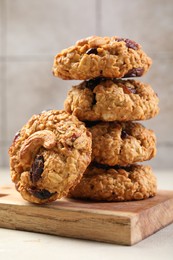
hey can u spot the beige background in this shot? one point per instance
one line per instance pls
(33, 31)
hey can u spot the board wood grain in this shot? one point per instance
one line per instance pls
(123, 223)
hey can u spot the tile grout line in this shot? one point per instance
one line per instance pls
(1, 84)
(98, 6)
(4, 74)
(1, 79)
(26, 58)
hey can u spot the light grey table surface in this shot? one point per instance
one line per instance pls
(27, 245)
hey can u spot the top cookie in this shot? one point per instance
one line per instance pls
(110, 57)
(49, 156)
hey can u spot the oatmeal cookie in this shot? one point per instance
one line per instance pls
(122, 143)
(103, 183)
(49, 156)
(111, 57)
(112, 100)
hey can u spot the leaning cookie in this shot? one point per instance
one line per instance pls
(122, 143)
(111, 57)
(49, 156)
(102, 183)
(111, 99)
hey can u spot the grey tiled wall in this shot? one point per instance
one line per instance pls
(32, 32)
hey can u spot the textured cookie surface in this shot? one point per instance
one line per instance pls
(100, 183)
(49, 156)
(111, 57)
(111, 100)
(122, 143)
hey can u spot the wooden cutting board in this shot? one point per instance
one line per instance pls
(122, 223)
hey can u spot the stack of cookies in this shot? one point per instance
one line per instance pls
(109, 105)
(90, 150)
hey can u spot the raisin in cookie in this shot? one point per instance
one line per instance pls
(112, 100)
(110, 57)
(102, 183)
(122, 143)
(49, 156)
